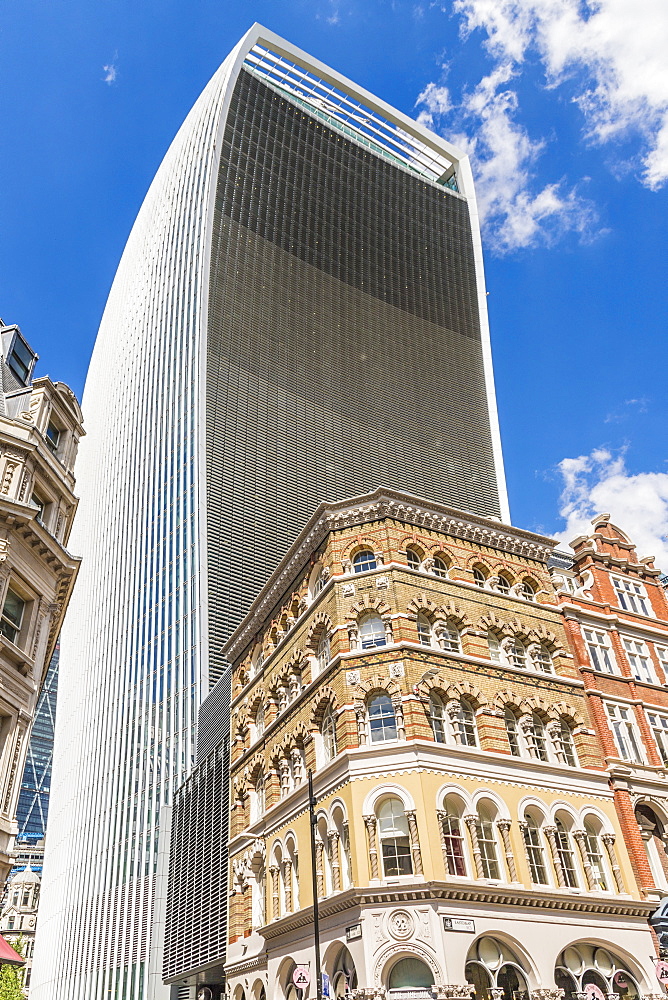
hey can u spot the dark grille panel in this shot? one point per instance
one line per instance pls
(196, 926)
(344, 346)
(213, 718)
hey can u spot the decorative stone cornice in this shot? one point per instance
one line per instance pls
(505, 895)
(378, 506)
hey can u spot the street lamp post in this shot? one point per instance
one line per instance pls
(314, 880)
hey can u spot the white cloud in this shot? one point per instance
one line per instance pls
(613, 53)
(110, 73)
(435, 99)
(515, 212)
(638, 504)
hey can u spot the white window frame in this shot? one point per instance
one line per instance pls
(639, 659)
(599, 647)
(658, 723)
(631, 595)
(662, 657)
(623, 725)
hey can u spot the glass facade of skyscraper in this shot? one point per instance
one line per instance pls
(299, 316)
(33, 807)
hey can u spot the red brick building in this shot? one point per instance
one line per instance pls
(616, 614)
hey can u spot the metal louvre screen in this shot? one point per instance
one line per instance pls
(344, 348)
(196, 925)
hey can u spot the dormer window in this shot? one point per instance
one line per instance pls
(12, 616)
(52, 436)
(21, 360)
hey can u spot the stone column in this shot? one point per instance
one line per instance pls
(360, 716)
(297, 765)
(345, 844)
(398, 707)
(503, 826)
(580, 840)
(471, 821)
(319, 873)
(370, 824)
(415, 842)
(275, 894)
(609, 841)
(334, 854)
(284, 766)
(496, 994)
(287, 884)
(553, 729)
(389, 637)
(551, 834)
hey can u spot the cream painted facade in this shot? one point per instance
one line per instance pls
(415, 659)
(40, 428)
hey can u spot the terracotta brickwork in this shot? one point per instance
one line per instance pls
(615, 601)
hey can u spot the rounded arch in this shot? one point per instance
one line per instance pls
(516, 949)
(389, 957)
(596, 818)
(564, 811)
(482, 796)
(422, 604)
(464, 689)
(532, 804)
(386, 791)
(378, 683)
(657, 805)
(338, 805)
(321, 623)
(368, 604)
(562, 710)
(617, 953)
(324, 699)
(257, 988)
(454, 791)
(239, 992)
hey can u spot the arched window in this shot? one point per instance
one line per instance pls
(491, 964)
(259, 721)
(344, 976)
(410, 974)
(487, 843)
(581, 967)
(424, 630)
(382, 720)
(538, 737)
(320, 581)
(440, 567)
(372, 632)
(448, 637)
(413, 558)
(464, 720)
(328, 731)
(364, 560)
(528, 590)
(513, 732)
(542, 660)
(437, 717)
(494, 647)
(534, 850)
(567, 744)
(595, 856)
(394, 839)
(324, 652)
(503, 584)
(518, 655)
(653, 835)
(565, 854)
(453, 838)
(257, 798)
(479, 576)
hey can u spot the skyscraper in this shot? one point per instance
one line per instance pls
(33, 807)
(299, 315)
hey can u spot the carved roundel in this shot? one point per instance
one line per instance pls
(400, 925)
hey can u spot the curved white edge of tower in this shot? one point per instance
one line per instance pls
(135, 646)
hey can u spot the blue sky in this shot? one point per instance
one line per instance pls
(564, 108)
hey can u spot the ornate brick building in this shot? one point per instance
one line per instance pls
(40, 427)
(616, 612)
(415, 659)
